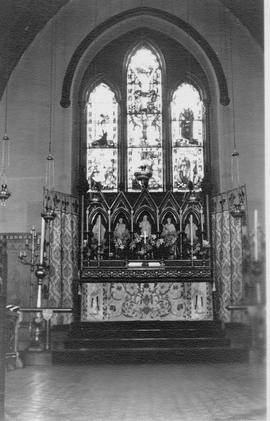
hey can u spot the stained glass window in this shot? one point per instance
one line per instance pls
(102, 138)
(187, 113)
(144, 118)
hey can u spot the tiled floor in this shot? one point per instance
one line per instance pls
(142, 392)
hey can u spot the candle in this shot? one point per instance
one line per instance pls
(256, 235)
(99, 230)
(87, 220)
(42, 240)
(258, 293)
(144, 235)
(131, 220)
(157, 220)
(109, 220)
(191, 230)
(201, 211)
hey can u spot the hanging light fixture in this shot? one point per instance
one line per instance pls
(235, 155)
(237, 210)
(48, 212)
(49, 177)
(5, 152)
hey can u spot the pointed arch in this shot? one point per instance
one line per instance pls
(187, 136)
(102, 137)
(200, 41)
(144, 115)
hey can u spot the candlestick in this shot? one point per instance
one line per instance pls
(42, 240)
(256, 235)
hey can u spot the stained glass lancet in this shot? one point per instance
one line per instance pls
(102, 138)
(187, 112)
(144, 117)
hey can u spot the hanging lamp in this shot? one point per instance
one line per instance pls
(5, 152)
(237, 210)
(49, 212)
(235, 155)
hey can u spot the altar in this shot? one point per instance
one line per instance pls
(113, 301)
(145, 258)
(146, 277)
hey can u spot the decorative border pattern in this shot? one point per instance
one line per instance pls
(15, 236)
(62, 202)
(183, 274)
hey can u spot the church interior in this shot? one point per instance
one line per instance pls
(132, 217)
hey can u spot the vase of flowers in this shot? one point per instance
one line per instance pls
(200, 251)
(143, 246)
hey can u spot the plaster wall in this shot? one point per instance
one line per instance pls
(29, 103)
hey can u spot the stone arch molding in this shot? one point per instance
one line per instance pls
(150, 18)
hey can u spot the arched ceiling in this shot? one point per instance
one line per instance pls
(22, 20)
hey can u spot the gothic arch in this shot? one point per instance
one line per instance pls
(190, 36)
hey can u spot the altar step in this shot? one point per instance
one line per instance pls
(148, 341)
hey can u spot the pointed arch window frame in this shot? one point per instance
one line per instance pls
(204, 146)
(155, 50)
(99, 80)
(167, 170)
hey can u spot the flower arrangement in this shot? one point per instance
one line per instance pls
(150, 246)
(143, 245)
(201, 251)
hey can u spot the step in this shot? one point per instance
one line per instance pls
(141, 355)
(153, 333)
(146, 324)
(146, 342)
(148, 328)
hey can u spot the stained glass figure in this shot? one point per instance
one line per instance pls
(187, 111)
(187, 166)
(102, 138)
(144, 119)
